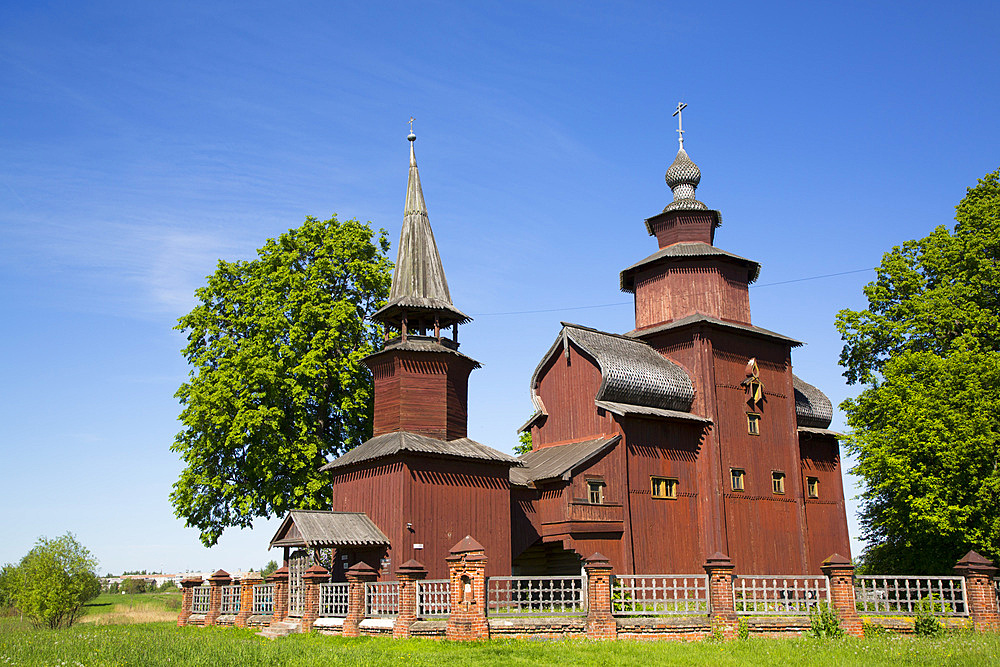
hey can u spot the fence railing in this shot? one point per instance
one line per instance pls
(263, 599)
(659, 594)
(943, 596)
(381, 598)
(779, 595)
(548, 596)
(230, 603)
(199, 599)
(333, 599)
(996, 587)
(433, 598)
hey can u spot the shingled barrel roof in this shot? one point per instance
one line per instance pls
(558, 461)
(685, 250)
(319, 528)
(418, 281)
(389, 444)
(632, 372)
(812, 407)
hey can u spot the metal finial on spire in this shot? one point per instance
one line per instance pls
(680, 128)
(411, 136)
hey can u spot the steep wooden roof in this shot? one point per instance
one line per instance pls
(389, 444)
(685, 250)
(559, 461)
(319, 528)
(418, 281)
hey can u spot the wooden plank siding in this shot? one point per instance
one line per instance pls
(826, 516)
(422, 392)
(685, 287)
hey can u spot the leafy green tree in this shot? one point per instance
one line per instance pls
(269, 569)
(523, 445)
(53, 581)
(926, 428)
(6, 578)
(277, 385)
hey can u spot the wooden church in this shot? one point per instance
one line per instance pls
(687, 436)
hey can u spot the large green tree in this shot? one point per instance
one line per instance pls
(277, 385)
(53, 581)
(926, 428)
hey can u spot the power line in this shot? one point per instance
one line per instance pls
(629, 303)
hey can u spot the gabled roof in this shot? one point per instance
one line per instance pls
(319, 528)
(632, 372)
(812, 407)
(559, 461)
(389, 444)
(687, 249)
(699, 318)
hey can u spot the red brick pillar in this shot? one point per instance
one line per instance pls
(280, 581)
(600, 621)
(186, 598)
(720, 594)
(358, 575)
(982, 597)
(467, 576)
(311, 579)
(246, 598)
(409, 576)
(840, 572)
(216, 582)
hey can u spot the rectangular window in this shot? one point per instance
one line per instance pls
(778, 482)
(738, 477)
(663, 487)
(812, 484)
(753, 423)
(595, 492)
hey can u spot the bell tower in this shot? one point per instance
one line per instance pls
(421, 379)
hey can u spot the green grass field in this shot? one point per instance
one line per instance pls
(165, 644)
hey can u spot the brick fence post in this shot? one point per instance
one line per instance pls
(720, 594)
(982, 597)
(280, 580)
(215, 583)
(246, 598)
(358, 575)
(187, 596)
(840, 572)
(311, 579)
(600, 621)
(409, 576)
(467, 577)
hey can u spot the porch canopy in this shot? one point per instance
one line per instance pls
(315, 529)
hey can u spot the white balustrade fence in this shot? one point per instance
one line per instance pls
(784, 595)
(263, 599)
(659, 594)
(942, 596)
(433, 598)
(333, 599)
(199, 599)
(381, 598)
(230, 599)
(548, 596)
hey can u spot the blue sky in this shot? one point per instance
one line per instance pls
(142, 142)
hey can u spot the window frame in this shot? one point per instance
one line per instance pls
(599, 485)
(670, 485)
(812, 487)
(753, 423)
(742, 477)
(778, 480)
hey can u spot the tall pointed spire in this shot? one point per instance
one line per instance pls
(419, 287)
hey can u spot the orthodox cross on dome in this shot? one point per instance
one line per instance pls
(680, 128)
(411, 124)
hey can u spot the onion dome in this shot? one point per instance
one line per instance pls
(683, 177)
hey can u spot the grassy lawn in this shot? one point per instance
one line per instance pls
(116, 608)
(164, 644)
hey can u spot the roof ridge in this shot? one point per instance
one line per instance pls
(598, 331)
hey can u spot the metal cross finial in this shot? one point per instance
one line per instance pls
(411, 124)
(680, 127)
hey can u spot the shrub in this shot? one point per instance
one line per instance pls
(925, 623)
(743, 629)
(824, 622)
(873, 631)
(53, 581)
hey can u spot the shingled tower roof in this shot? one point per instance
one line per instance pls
(419, 286)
